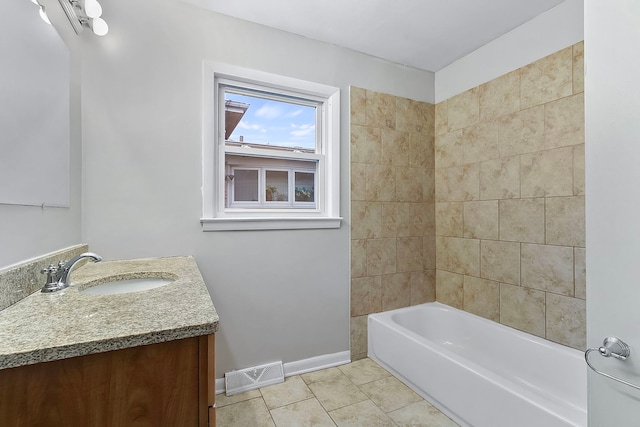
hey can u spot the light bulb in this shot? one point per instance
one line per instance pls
(92, 9)
(44, 16)
(99, 27)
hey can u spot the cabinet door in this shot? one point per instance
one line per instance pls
(155, 385)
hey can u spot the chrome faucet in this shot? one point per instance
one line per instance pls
(58, 277)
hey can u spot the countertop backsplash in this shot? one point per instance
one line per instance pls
(20, 280)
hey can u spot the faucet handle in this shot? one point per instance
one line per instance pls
(49, 270)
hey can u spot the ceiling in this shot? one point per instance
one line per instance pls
(425, 34)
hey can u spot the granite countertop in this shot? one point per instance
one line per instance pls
(68, 323)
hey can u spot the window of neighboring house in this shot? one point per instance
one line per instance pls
(271, 151)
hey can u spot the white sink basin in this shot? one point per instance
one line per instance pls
(126, 286)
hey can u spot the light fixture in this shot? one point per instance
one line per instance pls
(41, 11)
(44, 16)
(85, 13)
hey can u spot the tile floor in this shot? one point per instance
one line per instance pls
(358, 394)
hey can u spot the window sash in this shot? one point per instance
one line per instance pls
(262, 201)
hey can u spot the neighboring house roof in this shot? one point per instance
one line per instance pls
(233, 113)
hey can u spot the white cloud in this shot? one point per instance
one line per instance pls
(246, 125)
(294, 113)
(304, 130)
(269, 112)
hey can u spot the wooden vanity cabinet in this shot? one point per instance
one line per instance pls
(166, 384)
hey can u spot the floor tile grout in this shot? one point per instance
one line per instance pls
(298, 391)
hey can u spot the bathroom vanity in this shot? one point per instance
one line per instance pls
(72, 358)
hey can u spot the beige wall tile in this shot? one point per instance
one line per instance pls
(565, 221)
(566, 321)
(358, 258)
(547, 79)
(464, 256)
(395, 147)
(422, 221)
(578, 67)
(463, 109)
(396, 291)
(481, 142)
(500, 96)
(409, 254)
(450, 288)
(521, 132)
(441, 116)
(442, 253)
(449, 149)
(394, 219)
(423, 286)
(547, 173)
(580, 273)
(358, 181)
(366, 295)
(358, 336)
(366, 145)
(429, 186)
(548, 268)
(578, 170)
(500, 261)
(357, 105)
(381, 110)
(449, 219)
(381, 256)
(522, 220)
(366, 220)
(564, 122)
(409, 184)
(421, 149)
(460, 183)
(415, 116)
(381, 183)
(401, 219)
(482, 297)
(429, 252)
(481, 220)
(500, 178)
(523, 309)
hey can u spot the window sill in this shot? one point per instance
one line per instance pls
(238, 224)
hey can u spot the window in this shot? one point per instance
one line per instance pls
(271, 151)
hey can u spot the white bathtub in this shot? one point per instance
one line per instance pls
(478, 372)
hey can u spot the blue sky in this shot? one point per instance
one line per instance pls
(275, 123)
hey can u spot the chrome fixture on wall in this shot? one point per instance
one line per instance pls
(85, 13)
(611, 347)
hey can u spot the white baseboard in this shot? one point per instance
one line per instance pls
(305, 365)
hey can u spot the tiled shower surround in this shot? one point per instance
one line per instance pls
(509, 202)
(392, 207)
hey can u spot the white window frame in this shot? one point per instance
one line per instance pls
(218, 218)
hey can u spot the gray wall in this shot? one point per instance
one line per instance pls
(281, 295)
